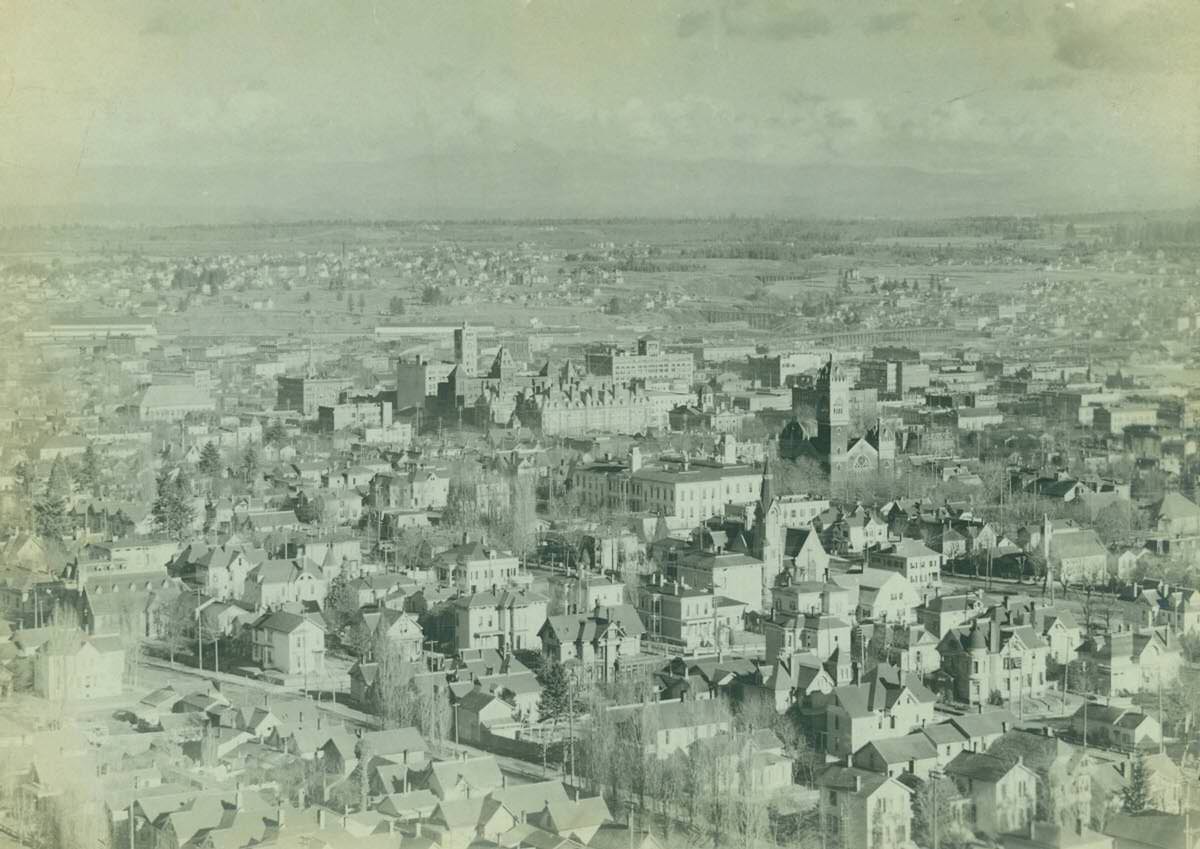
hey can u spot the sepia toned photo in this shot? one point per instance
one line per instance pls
(600, 424)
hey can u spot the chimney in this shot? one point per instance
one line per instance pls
(995, 635)
(417, 827)
(503, 780)
(237, 798)
(302, 799)
(280, 816)
(858, 784)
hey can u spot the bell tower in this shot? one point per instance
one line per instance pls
(833, 416)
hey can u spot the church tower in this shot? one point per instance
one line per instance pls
(833, 417)
(768, 533)
(886, 438)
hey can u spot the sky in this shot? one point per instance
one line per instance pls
(132, 110)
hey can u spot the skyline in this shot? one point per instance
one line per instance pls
(143, 112)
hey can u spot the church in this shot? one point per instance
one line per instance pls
(839, 453)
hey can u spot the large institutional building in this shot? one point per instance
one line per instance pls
(689, 490)
(832, 445)
(648, 363)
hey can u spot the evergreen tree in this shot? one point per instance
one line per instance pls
(59, 483)
(1135, 798)
(275, 434)
(172, 508)
(555, 701)
(50, 516)
(250, 463)
(210, 458)
(87, 476)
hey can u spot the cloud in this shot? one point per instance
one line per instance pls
(773, 21)
(692, 23)
(1159, 36)
(889, 22)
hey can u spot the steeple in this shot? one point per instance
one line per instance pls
(767, 492)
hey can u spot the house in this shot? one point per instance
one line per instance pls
(989, 658)
(595, 642)
(1180, 610)
(221, 572)
(913, 754)
(505, 620)
(1165, 788)
(1056, 763)
(825, 637)
(677, 614)
(920, 565)
(911, 648)
(400, 632)
(948, 740)
(944, 612)
(883, 596)
(1060, 631)
(1128, 662)
(413, 489)
(1174, 516)
(1077, 556)
(463, 778)
(983, 727)
(1125, 564)
(471, 567)
(577, 819)
(478, 711)
(71, 666)
(289, 643)
(273, 583)
(400, 745)
(675, 724)
(522, 801)
(802, 548)
(1118, 727)
(1003, 794)
(864, 809)
(786, 681)
(887, 704)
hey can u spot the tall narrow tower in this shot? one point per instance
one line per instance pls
(833, 417)
(466, 348)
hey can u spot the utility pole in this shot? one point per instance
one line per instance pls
(571, 725)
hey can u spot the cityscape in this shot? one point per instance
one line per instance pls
(770, 493)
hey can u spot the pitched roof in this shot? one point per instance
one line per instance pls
(910, 747)
(979, 767)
